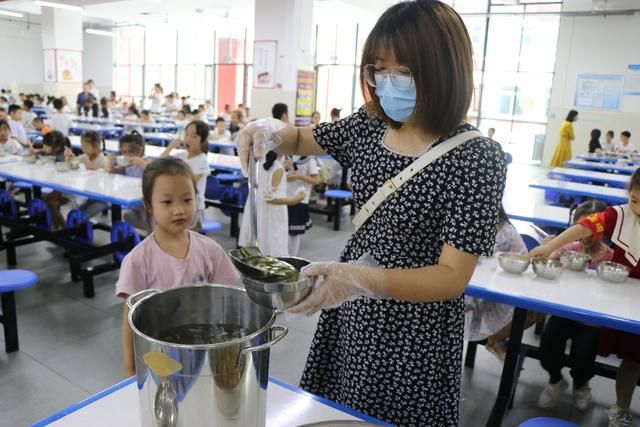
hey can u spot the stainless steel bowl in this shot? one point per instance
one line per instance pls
(575, 261)
(612, 272)
(611, 155)
(74, 164)
(513, 263)
(61, 166)
(279, 296)
(30, 159)
(547, 268)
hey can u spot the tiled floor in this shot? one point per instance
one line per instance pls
(70, 346)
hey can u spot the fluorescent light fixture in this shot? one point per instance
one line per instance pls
(12, 14)
(58, 5)
(99, 32)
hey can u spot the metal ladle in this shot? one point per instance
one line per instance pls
(253, 187)
(165, 405)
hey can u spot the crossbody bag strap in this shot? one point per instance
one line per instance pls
(392, 185)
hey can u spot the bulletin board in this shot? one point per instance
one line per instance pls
(631, 95)
(599, 91)
(49, 60)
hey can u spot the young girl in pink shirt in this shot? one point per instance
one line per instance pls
(172, 255)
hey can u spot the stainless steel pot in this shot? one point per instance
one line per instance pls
(202, 356)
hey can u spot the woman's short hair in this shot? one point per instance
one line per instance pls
(571, 117)
(430, 39)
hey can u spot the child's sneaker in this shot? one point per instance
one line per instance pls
(582, 397)
(551, 393)
(619, 417)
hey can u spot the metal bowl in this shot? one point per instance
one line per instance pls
(47, 160)
(30, 159)
(279, 295)
(612, 272)
(74, 164)
(513, 263)
(61, 166)
(547, 268)
(575, 261)
(611, 155)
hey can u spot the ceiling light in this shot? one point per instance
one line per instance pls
(12, 14)
(58, 5)
(99, 32)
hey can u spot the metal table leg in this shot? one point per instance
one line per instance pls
(9, 321)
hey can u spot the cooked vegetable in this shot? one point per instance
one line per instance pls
(271, 266)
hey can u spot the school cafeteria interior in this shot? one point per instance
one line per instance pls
(126, 128)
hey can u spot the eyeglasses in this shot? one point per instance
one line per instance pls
(399, 76)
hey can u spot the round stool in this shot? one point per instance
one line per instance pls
(228, 177)
(11, 281)
(339, 197)
(547, 422)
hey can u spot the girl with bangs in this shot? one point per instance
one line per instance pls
(429, 188)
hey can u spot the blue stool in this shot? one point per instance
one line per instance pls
(210, 226)
(338, 197)
(11, 281)
(229, 178)
(547, 422)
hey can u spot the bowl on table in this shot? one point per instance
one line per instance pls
(513, 263)
(47, 160)
(74, 164)
(30, 159)
(547, 268)
(61, 166)
(575, 261)
(612, 272)
(611, 155)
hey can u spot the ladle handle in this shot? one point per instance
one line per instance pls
(253, 188)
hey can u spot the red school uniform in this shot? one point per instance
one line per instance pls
(622, 227)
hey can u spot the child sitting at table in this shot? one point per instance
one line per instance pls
(9, 144)
(220, 132)
(621, 225)
(40, 126)
(132, 113)
(196, 143)
(584, 338)
(172, 255)
(53, 144)
(145, 117)
(491, 320)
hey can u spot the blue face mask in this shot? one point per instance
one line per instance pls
(398, 104)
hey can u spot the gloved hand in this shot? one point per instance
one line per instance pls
(263, 135)
(339, 282)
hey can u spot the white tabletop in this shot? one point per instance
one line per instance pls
(583, 164)
(579, 296)
(618, 195)
(216, 161)
(97, 185)
(97, 128)
(130, 124)
(593, 158)
(581, 174)
(555, 216)
(162, 136)
(118, 406)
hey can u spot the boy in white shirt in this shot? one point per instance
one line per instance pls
(8, 144)
(15, 123)
(624, 145)
(220, 133)
(27, 114)
(60, 121)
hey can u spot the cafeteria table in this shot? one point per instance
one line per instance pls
(102, 130)
(610, 194)
(606, 167)
(592, 158)
(156, 127)
(543, 215)
(121, 192)
(287, 406)
(580, 296)
(584, 176)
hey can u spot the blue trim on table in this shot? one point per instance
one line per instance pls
(581, 193)
(538, 221)
(73, 408)
(599, 166)
(127, 204)
(561, 310)
(328, 402)
(606, 160)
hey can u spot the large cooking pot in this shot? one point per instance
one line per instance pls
(202, 356)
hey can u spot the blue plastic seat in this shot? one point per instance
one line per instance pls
(547, 422)
(229, 177)
(210, 226)
(337, 197)
(11, 281)
(338, 194)
(212, 191)
(529, 241)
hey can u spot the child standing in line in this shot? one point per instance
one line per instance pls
(196, 143)
(621, 225)
(60, 120)
(271, 208)
(584, 338)
(172, 255)
(302, 176)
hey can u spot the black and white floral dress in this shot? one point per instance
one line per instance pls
(393, 360)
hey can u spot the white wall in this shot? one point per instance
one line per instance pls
(22, 69)
(592, 45)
